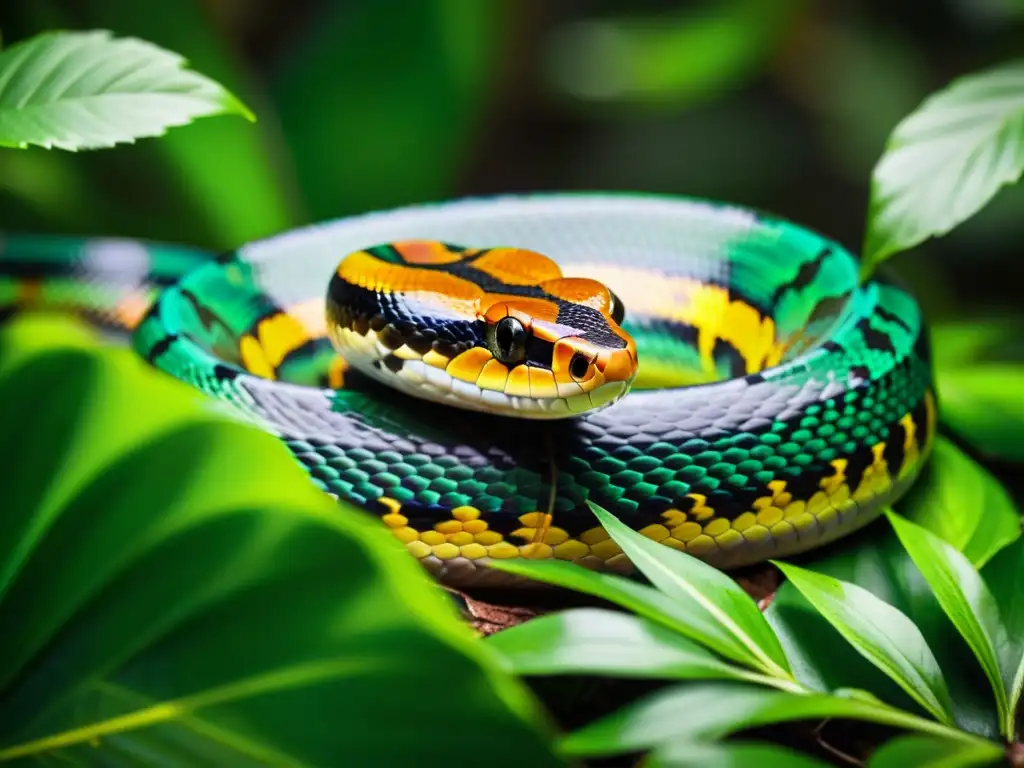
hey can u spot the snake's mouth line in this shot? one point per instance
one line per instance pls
(425, 376)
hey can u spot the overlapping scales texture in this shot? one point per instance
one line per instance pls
(815, 407)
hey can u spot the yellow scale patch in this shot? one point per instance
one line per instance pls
(698, 531)
(276, 336)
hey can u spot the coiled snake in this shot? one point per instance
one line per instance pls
(715, 377)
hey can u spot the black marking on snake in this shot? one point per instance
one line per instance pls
(587, 319)
(856, 465)
(161, 346)
(225, 373)
(875, 339)
(804, 276)
(895, 451)
(891, 317)
(393, 363)
(539, 352)
(726, 352)
(920, 417)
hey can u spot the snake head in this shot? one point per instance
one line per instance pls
(498, 330)
(561, 355)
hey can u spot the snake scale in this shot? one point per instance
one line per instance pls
(717, 378)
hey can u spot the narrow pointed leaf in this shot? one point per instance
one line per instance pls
(735, 754)
(946, 160)
(701, 587)
(959, 500)
(875, 560)
(609, 643)
(881, 634)
(685, 618)
(931, 752)
(1004, 575)
(86, 90)
(708, 711)
(967, 602)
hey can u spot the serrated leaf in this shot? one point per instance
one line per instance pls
(709, 711)
(734, 754)
(967, 602)
(86, 90)
(946, 160)
(693, 582)
(183, 595)
(959, 500)
(1004, 575)
(880, 633)
(931, 752)
(609, 643)
(685, 618)
(984, 404)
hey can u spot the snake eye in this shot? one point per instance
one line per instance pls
(509, 340)
(578, 366)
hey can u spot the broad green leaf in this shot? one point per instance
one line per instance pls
(932, 752)
(1004, 575)
(960, 501)
(686, 618)
(183, 594)
(86, 90)
(985, 405)
(399, 90)
(691, 582)
(708, 711)
(969, 604)
(880, 633)
(946, 160)
(609, 643)
(735, 754)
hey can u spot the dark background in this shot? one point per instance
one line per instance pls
(780, 104)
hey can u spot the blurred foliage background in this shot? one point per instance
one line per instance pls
(363, 104)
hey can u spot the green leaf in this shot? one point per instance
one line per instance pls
(384, 133)
(985, 405)
(609, 643)
(225, 182)
(183, 594)
(1004, 575)
(880, 633)
(685, 617)
(946, 160)
(875, 560)
(708, 711)
(735, 754)
(692, 582)
(960, 501)
(969, 604)
(85, 90)
(931, 752)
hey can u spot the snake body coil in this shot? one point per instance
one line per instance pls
(778, 403)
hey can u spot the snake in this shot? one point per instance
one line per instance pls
(476, 373)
